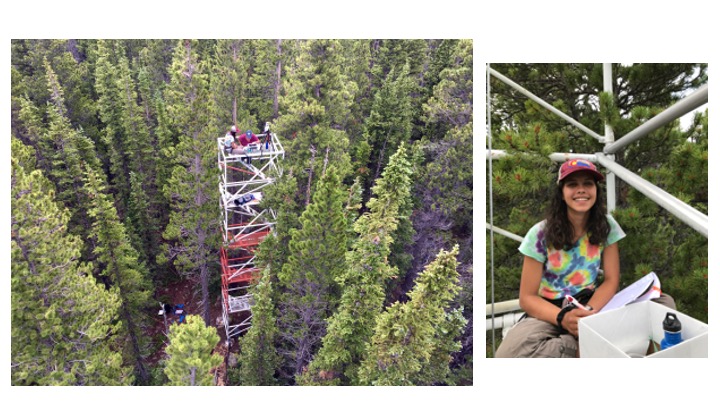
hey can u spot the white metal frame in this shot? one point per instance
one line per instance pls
(237, 180)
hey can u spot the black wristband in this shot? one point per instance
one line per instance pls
(560, 317)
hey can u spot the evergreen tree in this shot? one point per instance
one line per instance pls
(413, 341)
(228, 84)
(265, 78)
(112, 134)
(142, 164)
(451, 100)
(274, 250)
(315, 107)
(68, 150)
(166, 139)
(32, 131)
(676, 252)
(307, 279)
(191, 358)
(192, 187)
(71, 69)
(117, 262)
(64, 328)
(351, 326)
(401, 252)
(445, 187)
(357, 68)
(258, 356)
(154, 59)
(144, 225)
(127, 138)
(312, 118)
(390, 121)
(395, 54)
(444, 54)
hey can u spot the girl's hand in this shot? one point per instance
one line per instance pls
(571, 319)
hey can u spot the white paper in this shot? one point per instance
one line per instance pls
(644, 289)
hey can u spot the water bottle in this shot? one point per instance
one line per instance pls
(673, 331)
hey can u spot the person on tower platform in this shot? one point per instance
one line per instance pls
(249, 139)
(247, 142)
(229, 142)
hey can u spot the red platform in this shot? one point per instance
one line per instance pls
(244, 241)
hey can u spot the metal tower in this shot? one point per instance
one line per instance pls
(243, 176)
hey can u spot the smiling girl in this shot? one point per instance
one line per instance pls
(563, 256)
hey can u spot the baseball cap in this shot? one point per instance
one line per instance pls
(575, 165)
(248, 133)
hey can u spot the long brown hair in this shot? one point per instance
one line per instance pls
(559, 232)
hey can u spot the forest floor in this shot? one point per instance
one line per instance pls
(182, 292)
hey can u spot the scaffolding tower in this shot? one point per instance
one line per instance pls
(243, 176)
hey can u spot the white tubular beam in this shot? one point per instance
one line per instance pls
(609, 138)
(504, 232)
(561, 157)
(677, 110)
(504, 322)
(689, 215)
(503, 307)
(495, 154)
(546, 105)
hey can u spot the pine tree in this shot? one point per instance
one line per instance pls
(68, 150)
(64, 328)
(31, 130)
(258, 351)
(70, 68)
(445, 180)
(315, 108)
(192, 187)
(683, 265)
(307, 279)
(127, 139)
(395, 54)
(166, 139)
(154, 59)
(351, 326)
(442, 55)
(112, 135)
(282, 196)
(389, 54)
(191, 358)
(117, 262)
(357, 68)
(414, 341)
(142, 163)
(140, 219)
(390, 120)
(312, 118)
(263, 88)
(228, 85)
(451, 100)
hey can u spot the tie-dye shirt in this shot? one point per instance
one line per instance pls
(567, 272)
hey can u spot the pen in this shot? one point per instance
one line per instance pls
(575, 302)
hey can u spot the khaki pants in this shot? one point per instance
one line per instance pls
(532, 337)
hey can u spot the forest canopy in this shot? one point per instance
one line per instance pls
(114, 193)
